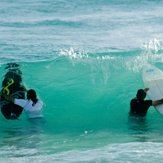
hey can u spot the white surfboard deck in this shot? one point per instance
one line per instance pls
(153, 79)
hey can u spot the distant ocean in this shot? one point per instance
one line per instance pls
(85, 59)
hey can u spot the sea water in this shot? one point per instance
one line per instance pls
(85, 59)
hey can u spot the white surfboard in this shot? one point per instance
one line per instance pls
(153, 79)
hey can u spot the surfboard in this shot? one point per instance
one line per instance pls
(11, 85)
(153, 79)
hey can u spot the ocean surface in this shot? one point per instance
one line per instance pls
(85, 59)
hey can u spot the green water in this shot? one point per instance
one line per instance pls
(84, 58)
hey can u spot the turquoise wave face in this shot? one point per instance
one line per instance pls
(77, 95)
(86, 91)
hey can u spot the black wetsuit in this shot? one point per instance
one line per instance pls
(139, 107)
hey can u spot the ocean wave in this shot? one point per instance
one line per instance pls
(130, 60)
(41, 23)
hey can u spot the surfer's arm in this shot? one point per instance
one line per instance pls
(157, 102)
(20, 102)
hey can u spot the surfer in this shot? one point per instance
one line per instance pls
(12, 85)
(32, 106)
(139, 106)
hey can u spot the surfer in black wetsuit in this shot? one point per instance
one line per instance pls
(139, 106)
(11, 85)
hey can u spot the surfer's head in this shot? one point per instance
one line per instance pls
(31, 95)
(141, 94)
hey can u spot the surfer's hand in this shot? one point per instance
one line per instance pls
(157, 102)
(146, 89)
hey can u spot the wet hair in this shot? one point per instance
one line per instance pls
(141, 94)
(31, 95)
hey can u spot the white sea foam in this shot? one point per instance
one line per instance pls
(117, 153)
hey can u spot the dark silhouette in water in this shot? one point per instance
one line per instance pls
(12, 85)
(139, 106)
